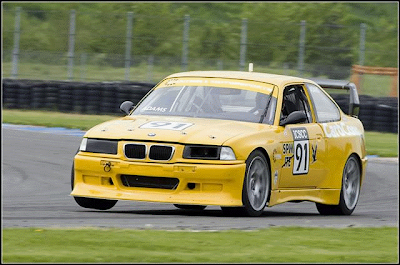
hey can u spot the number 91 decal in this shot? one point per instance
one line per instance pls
(175, 126)
(301, 146)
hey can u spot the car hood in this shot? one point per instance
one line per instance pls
(173, 129)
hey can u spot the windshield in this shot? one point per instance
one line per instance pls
(209, 102)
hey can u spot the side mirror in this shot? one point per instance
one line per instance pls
(126, 107)
(294, 117)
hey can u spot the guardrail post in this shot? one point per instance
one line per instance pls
(302, 47)
(71, 45)
(17, 32)
(128, 45)
(185, 48)
(243, 44)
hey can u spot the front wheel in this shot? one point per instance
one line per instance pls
(256, 186)
(350, 191)
(98, 204)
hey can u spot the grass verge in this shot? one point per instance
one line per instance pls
(54, 119)
(382, 144)
(273, 245)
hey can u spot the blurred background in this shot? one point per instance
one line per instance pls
(91, 56)
(148, 41)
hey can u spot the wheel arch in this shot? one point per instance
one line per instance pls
(358, 158)
(265, 153)
(267, 157)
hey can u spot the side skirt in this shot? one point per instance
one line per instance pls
(324, 196)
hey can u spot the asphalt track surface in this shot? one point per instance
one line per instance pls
(36, 165)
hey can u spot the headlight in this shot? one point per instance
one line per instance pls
(104, 146)
(227, 154)
(83, 144)
(208, 152)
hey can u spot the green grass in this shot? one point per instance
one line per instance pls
(382, 144)
(54, 119)
(374, 85)
(273, 245)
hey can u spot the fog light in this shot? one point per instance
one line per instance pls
(191, 186)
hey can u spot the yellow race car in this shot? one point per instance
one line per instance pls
(239, 140)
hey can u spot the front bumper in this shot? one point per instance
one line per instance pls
(202, 184)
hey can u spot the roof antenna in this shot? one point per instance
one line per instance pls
(250, 67)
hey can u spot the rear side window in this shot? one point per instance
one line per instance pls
(325, 109)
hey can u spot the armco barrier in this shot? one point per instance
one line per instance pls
(78, 97)
(376, 113)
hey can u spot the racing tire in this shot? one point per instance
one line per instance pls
(190, 207)
(98, 204)
(350, 191)
(256, 187)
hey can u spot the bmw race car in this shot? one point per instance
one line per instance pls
(238, 140)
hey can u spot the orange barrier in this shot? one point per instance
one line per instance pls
(359, 70)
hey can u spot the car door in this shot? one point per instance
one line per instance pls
(302, 144)
(328, 117)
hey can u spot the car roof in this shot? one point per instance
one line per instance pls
(279, 80)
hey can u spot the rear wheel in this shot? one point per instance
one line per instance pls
(98, 204)
(350, 191)
(256, 187)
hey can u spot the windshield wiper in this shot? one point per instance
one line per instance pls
(266, 108)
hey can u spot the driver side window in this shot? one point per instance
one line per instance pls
(295, 99)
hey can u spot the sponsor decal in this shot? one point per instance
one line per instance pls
(171, 82)
(339, 129)
(276, 156)
(299, 134)
(164, 125)
(276, 177)
(314, 153)
(288, 161)
(157, 109)
(217, 82)
(287, 148)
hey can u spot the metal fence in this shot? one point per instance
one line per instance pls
(127, 52)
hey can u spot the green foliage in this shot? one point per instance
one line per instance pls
(332, 30)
